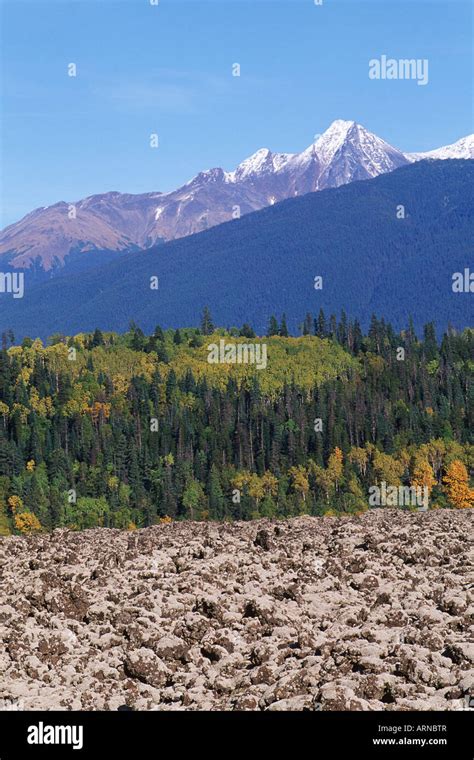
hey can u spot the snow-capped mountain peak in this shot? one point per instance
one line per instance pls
(463, 148)
(261, 162)
(331, 140)
(257, 163)
(115, 221)
(346, 151)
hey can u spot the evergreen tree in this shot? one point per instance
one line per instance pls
(246, 331)
(320, 330)
(283, 327)
(273, 326)
(159, 334)
(207, 326)
(97, 338)
(307, 325)
(215, 495)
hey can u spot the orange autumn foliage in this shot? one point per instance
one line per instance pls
(27, 522)
(457, 487)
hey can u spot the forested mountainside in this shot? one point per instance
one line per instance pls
(101, 429)
(389, 246)
(98, 227)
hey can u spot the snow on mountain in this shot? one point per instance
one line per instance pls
(344, 153)
(120, 222)
(327, 144)
(258, 163)
(463, 148)
(263, 161)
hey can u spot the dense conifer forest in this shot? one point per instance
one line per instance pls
(101, 429)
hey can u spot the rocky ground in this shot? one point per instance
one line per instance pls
(362, 613)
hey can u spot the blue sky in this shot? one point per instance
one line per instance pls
(167, 69)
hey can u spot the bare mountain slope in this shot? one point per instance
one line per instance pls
(120, 222)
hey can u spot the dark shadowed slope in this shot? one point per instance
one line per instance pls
(49, 239)
(266, 262)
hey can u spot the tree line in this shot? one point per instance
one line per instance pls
(101, 429)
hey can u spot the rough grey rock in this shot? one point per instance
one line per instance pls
(363, 613)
